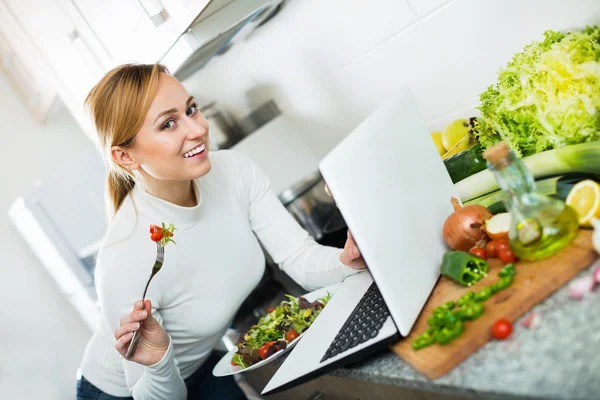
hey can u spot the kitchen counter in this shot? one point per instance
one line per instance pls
(560, 359)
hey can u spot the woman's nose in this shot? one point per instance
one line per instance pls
(196, 128)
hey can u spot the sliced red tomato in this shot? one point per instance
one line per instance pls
(270, 310)
(262, 352)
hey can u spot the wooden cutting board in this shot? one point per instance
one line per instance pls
(534, 282)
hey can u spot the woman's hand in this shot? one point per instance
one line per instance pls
(154, 340)
(351, 255)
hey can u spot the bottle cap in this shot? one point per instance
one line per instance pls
(496, 153)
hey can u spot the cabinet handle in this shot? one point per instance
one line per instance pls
(154, 10)
(82, 47)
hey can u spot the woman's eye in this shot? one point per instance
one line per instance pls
(168, 125)
(192, 110)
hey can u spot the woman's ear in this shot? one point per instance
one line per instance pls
(122, 157)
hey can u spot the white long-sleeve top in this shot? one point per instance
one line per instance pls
(214, 265)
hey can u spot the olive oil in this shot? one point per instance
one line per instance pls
(540, 225)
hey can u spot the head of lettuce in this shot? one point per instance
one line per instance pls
(548, 96)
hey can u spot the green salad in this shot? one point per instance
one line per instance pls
(277, 329)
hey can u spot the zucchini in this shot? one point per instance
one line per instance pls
(557, 187)
(466, 163)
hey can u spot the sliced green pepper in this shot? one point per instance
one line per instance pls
(444, 307)
(463, 267)
(484, 294)
(502, 283)
(466, 298)
(471, 310)
(441, 318)
(449, 332)
(508, 270)
(425, 339)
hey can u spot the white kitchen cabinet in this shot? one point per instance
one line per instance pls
(72, 64)
(189, 12)
(24, 68)
(126, 30)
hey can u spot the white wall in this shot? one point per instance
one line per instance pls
(333, 61)
(42, 338)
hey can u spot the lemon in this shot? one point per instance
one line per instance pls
(455, 132)
(437, 139)
(584, 198)
(461, 145)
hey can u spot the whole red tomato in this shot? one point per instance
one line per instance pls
(502, 329)
(156, 236)
(479, 252)
(507, 256)
(502, 244)
(291, 335)
(490, 248)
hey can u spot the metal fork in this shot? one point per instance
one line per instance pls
(160, 258)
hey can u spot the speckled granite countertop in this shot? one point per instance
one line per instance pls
(560, 359)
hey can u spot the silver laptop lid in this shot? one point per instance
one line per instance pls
(393, 190)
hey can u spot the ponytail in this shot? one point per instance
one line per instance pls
(118, 185)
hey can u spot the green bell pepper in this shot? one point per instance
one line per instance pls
(425, 339)
(441, 318)
(466, 298)
(471, 310)
(502, 283)
(484, 294)
(446, 334)
(508, 270)
(463, 267)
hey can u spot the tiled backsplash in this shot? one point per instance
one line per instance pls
(334, 61)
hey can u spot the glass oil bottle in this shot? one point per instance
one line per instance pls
(541, 226)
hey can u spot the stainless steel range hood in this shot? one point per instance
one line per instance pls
(214, 30)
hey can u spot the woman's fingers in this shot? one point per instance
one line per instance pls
(137, 314)
(122, 343)
(352, 247)
(124, 329)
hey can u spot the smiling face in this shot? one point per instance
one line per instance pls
(172, 143)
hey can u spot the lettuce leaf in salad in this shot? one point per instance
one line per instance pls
(548, 96)
(294, 313)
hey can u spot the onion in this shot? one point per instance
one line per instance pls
(580, 287)
(532, 321)
(596, 274)
(463, 229)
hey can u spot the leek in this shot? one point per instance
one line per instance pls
(546, 187)
(577, 158)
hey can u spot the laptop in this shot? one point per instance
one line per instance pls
(392, 188)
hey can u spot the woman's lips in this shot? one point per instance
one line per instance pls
(202, 154)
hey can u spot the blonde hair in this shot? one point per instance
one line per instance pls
(119, 104)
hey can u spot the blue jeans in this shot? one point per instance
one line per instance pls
(200, 385)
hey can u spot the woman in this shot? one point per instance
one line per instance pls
(156, 144)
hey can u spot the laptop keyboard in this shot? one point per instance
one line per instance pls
(364, 323)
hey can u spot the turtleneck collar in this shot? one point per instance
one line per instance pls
(167, 212)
